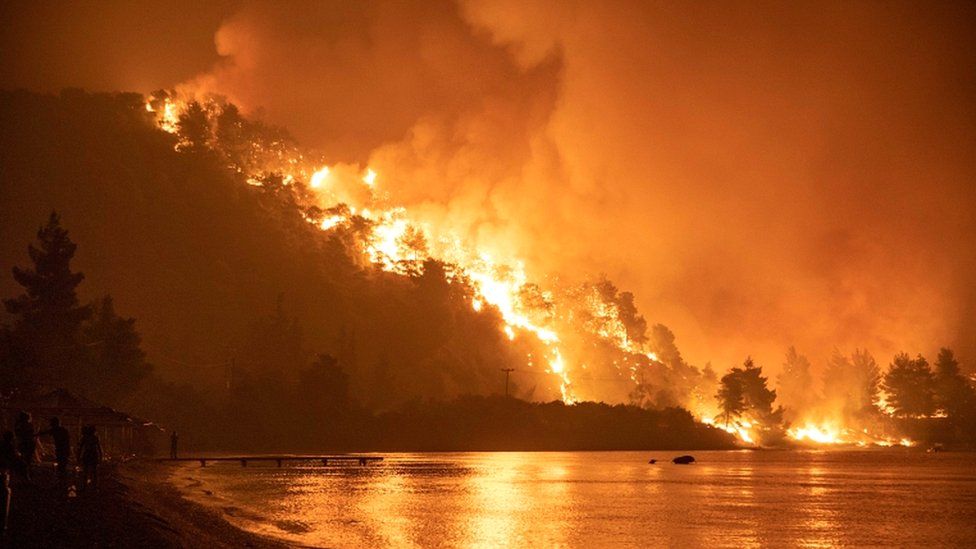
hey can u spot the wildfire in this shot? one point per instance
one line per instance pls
(392, 244)
(369, 178)
(816, 433)
(394, 241)
(741, 428)
(168, 118)
(832, 433)
(318, 178)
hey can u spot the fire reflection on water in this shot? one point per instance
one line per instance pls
(818, 521)
(728, 499)
(499, 495)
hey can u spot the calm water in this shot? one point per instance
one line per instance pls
(602, 499)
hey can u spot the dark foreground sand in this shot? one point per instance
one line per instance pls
(133, 506)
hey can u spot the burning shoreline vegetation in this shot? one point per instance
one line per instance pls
(581, 340)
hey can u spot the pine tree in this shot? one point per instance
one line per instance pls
(909, 385)
(953, 394)
(852, 381)
(43, 344)
(731, 395)
(194, 128)
(866, 379)
(759, 397)
(795, 383)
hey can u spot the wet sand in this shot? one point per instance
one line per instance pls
(133, 506)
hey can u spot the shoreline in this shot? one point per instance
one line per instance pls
(134, 505)
(137, 504)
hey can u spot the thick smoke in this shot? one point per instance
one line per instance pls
(759, 176)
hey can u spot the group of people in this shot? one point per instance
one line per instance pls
(19, 449)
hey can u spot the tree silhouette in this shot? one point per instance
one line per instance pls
(909, 385)
(194, 127)
(744, 391)
(43, 343)
(866, 378)
(758, 396)
(953, 394)
(795, 383)
(115, 362)
(731, 395)
(852, 381)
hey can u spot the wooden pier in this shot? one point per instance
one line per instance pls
(324, 460)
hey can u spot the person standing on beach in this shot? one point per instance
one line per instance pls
(9, 461)
(62, 446)
(26, 441)
(90, 455)
(174, 440)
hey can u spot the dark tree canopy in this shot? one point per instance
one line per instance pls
(43, 345)
(744, 392)
(49, 301)
(115, 363)
(953, 394)
(731, 395)
(910, 386)
(56, 342)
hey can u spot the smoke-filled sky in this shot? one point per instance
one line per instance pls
(759, 174)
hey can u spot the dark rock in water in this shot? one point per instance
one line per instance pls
(653, 461)
(683, 460)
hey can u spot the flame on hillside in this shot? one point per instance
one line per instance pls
(341, 197)
(397, 243)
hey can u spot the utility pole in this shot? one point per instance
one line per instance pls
(231, 366)
(507, 372)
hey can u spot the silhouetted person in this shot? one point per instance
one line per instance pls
(26, 441)
(174, 440)
(4, 498)
(90, 455)
(62, 446)
(9, 461)
(9, 457)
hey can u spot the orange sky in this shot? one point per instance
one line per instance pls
(759, 174)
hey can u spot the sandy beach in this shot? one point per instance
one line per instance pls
(134, 506)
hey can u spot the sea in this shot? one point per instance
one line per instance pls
(749, 498)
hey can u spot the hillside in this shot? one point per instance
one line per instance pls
(200, 259)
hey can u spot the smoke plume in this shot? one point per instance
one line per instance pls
(758, 175)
